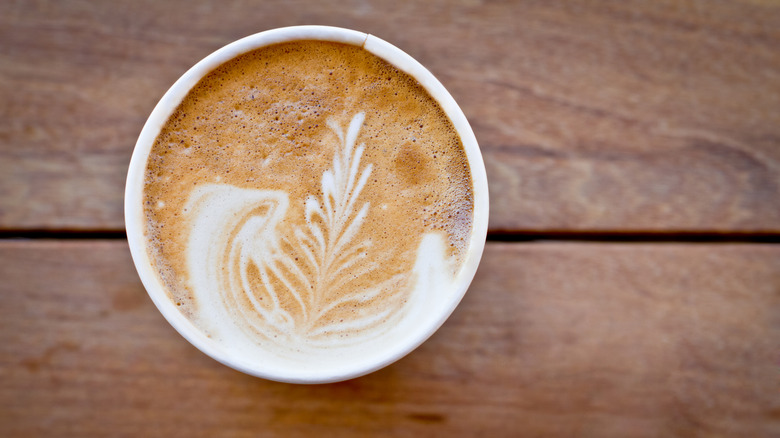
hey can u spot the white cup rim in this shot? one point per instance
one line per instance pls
(134, 214)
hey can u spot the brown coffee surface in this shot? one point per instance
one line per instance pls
(248, 153)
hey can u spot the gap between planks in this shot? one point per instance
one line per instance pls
(492, 236)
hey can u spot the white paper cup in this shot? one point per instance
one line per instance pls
(380, 356)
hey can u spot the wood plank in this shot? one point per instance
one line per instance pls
(593, 116)
(552, 339)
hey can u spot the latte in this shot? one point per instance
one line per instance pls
(307, 201)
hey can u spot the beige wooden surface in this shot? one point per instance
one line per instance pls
(592, 115)
(595, 118)
(680, 341)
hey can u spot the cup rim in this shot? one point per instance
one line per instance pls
(134, 212)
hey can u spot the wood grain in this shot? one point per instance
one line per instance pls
(667, 340)
(592, 115)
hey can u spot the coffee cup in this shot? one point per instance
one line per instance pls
(307, 204)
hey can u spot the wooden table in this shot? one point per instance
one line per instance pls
(631, 282)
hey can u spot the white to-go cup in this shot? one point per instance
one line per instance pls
(378, 356)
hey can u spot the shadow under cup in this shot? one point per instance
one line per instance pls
(429, 304)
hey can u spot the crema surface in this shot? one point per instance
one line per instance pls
(305, 198)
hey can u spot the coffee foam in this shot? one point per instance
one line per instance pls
(253, 176)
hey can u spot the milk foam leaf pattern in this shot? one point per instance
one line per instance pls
(291, 288)
(332, 253)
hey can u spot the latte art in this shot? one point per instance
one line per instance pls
(307, 201)
(261, 286)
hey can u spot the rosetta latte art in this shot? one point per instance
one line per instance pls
(317, 287)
